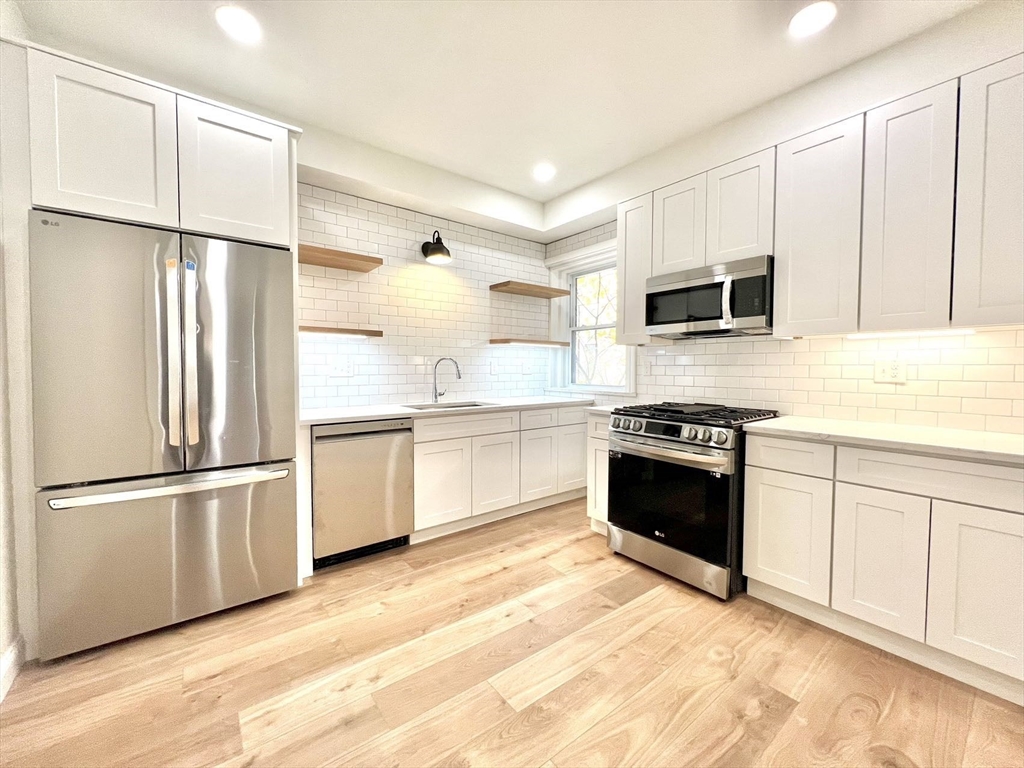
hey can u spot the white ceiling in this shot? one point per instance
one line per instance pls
(487, 89)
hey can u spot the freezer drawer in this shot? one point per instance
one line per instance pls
(120, 559)
(362, 485)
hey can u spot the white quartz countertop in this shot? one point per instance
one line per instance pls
(970, 445)
(601, 410)
(377, 412)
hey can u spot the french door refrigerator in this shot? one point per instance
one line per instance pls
(164, 426)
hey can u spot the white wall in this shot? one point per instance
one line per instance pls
(969, 41)
(425, 311)
(12, 22)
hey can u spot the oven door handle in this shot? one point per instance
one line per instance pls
(696, 460)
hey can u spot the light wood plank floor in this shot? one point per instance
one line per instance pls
(521, 643)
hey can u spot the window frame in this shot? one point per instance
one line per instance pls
(574, 329)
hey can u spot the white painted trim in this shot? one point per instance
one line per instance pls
(10, 664)
(583, 257)
(987, 680)
(499, 514)
(598, 527)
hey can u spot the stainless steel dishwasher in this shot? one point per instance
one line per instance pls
(362, 489)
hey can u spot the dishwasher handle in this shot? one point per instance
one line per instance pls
(333, 432)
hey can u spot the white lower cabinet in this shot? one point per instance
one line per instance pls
(787, 532)
(597, 479)
(572, 457)
(538, 463)
(880, 558)
(495, 472)
(976, 586)
(443, 477)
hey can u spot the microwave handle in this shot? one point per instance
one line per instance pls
(727, 301)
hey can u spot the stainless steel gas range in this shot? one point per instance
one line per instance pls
(675, 490)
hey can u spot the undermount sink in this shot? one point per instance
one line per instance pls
(439, 406)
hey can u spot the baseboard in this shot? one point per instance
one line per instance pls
(598, 527)
(987, 680)
(10, 664)
(490, 517)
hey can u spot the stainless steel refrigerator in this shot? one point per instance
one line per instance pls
(164, 417)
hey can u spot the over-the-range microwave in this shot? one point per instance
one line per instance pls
(731, 299)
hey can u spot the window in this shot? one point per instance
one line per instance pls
(596, 360)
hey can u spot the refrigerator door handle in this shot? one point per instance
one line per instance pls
(173, 354)
(191, 364)
(244, 478)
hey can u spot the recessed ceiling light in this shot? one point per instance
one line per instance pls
(812, 19)
(239, 24)
(543, 172)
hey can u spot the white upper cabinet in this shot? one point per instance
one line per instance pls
(988, 263)
(976, 586)
(740, 208)
(633, 258)
(817, 231)
(679, 226)
(909, 170)
(880, 558)
(233, 173)
(100, 143)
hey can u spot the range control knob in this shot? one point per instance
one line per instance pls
(720, 438)
(626, 423)
(691, 433)
(637, 425)
(615, 423)
(705, 435)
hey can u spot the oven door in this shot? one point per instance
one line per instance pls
(679, 498)
(732, 297)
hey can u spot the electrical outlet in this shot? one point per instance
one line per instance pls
(494, 367)
(890, 371)
(647, 367)
(344, 368)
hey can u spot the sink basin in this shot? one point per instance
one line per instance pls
(440, 406)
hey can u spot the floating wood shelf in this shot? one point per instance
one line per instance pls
(335, 259)
(531, 342)
(368, 332)
(529, 289)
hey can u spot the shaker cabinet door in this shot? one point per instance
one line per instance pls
(633, 254)
(495, 472)
(787, 532)
(880, 558)
(597, 479)
(679, 226)
(976, 586)
(741, 208)
(909, 169)
(538, 463)
(988, 254)
(572, 457)
(443, 481)
(817, 231)
(234, 174)
(101, 143)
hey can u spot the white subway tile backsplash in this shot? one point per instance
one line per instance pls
(967, 382)
(425, 311)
